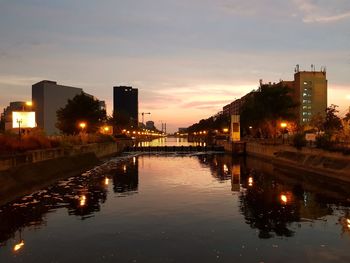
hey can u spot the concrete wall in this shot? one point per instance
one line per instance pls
(99, 149)
(316, 161)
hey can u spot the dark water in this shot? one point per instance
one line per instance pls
(180, 208)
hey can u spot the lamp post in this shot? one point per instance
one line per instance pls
(283, 126)
(19, 121)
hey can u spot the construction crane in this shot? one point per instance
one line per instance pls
(143, 116)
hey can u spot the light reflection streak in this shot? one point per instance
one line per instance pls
(83, 200)
(18, 246)
(250, 181)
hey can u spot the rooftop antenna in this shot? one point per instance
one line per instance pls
(297, 68)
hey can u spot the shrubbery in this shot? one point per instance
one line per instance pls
(10, 143)
(324, 141)
(299, 141)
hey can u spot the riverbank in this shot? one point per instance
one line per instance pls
(307, 160)
(24, 173)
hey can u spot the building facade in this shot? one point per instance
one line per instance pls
(126, 104)
(48, 97)
(310, 94)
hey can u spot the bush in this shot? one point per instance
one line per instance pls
(324, 142)
(299, 141)
(10, 143)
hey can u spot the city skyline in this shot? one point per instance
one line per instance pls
(188, 59)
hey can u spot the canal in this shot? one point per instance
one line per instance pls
(180, 208)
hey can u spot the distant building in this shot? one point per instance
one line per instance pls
(125, 103)
(234, 107)
(182, 130)
(150, 125)
(48, 97)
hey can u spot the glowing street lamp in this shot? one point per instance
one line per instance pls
(225, 130)
(283, 125)
(29, 103)
(82, 125)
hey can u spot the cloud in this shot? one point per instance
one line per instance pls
(323, 11)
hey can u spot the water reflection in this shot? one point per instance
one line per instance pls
(82, 196)
(271, 202)
(170, 141)
(126, 177)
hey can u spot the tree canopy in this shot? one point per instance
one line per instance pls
(332, 122)
(262, 108)
(81, 108)
(213, 123)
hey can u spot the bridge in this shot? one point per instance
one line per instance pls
(213, 148)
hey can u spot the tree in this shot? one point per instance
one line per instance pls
(81, 108)
(2, 124)
(347, 117)
(317, 122)
(332, 122)
(262, 108)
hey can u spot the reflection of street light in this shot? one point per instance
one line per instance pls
(19, 245)
(82, 200)
(250, 181)
(284, 198)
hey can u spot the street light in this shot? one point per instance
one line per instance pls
(82, 125)
(283, 126)
(29, 103)
(19, 121)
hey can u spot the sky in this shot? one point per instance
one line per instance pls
(188, 58)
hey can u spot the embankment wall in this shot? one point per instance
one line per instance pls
(22, 174)
(311, 160)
